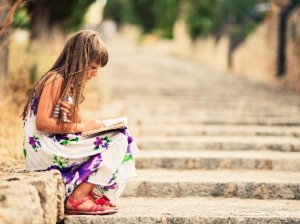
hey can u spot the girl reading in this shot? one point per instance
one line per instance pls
(95, 169)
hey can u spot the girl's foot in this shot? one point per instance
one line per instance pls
(86, 205)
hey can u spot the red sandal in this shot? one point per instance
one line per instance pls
(103, 200)
(93, 210)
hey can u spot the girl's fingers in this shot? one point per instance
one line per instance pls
(66, 105)
(65, 110)
(68, 113)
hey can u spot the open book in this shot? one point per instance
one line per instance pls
(110, 124)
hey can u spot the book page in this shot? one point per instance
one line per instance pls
(110, 122)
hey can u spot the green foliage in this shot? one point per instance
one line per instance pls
(206, 17)
(21, 19)
(120, 11)
(150, 15)
(203, 17)
(200, 17)
(67, 13)
(144, 13)
(76, 18)
(168, 9)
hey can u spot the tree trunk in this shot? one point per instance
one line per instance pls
(3, 45)
(40, 22)
(4, 56)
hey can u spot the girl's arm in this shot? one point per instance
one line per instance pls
(67, 107)
(44, 120)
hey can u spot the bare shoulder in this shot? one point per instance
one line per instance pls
(52, 87)
(54, 78)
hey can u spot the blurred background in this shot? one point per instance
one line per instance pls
(164, 54)
(210, 89)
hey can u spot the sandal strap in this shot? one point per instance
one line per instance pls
(78, 202)
(101, 201)
(95, 208)
(105, 198)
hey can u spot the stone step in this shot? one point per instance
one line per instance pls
(220, 143)
(215, 130)
(209, 106)
(178, 93)
(209, 110)
(257, 184)
(230, 99)
(233, 119)
(40, 194)
(203, 112)
(191, 159)
(242, 100)
(194, 210)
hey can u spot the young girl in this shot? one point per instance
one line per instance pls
(101, 163)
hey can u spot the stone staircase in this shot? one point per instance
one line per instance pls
(214, 148)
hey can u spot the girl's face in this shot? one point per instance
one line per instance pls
(92, 71)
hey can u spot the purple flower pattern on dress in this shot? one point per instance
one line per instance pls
(34, 142)
(128, 156)
(34, 104)
(58, 137)
(109, 187)
(103, 142)
(114, 177)
(64, 139)
(67, 173)
(77, 173)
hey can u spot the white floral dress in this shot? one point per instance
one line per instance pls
(106, 160)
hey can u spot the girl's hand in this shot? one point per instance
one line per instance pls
(67, 107)
(92, 125)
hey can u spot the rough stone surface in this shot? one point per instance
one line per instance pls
(20, 203)
(220, 143)
(218, 183)
(194, 210)
(48, 184)
(195, 119)
(221, 159)
(214, 130)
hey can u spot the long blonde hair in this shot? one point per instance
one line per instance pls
(80, 51)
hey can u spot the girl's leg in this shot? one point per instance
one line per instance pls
(81, 191)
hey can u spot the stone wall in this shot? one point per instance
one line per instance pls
(256, 57)
(292, 75)
(206, 50)
(213, 53)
